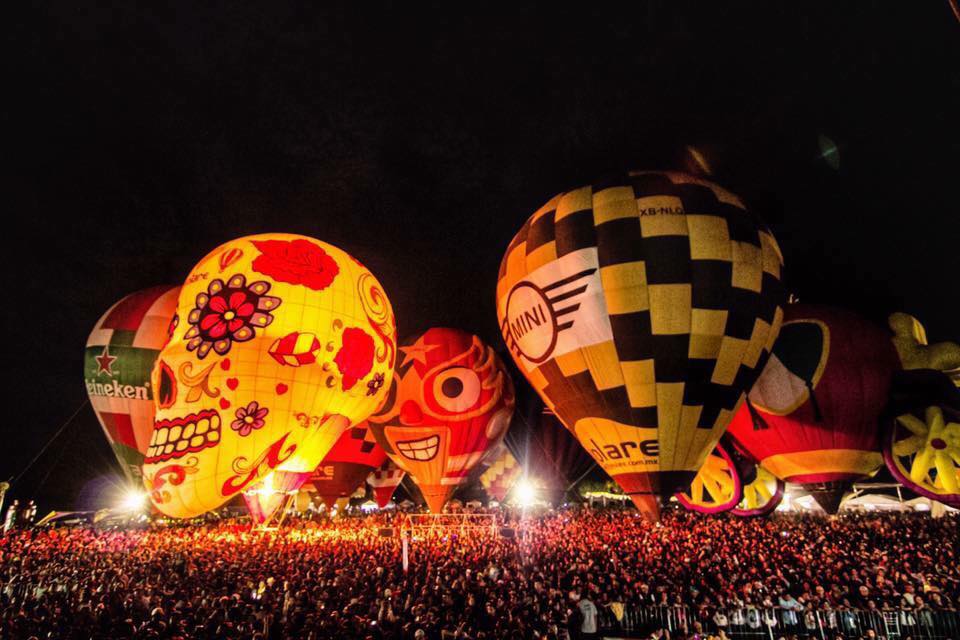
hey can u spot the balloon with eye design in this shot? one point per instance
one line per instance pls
(279, 344)
(813, 415)
(451, 401)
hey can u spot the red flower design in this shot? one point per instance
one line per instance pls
(228, 313)
(355, 357)
(296, 262)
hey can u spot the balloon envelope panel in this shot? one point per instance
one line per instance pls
(500, 476)
(347, 464)
(384, 481)
(641, 309)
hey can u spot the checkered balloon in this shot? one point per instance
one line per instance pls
(641, 309)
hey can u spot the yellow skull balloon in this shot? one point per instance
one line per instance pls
(280, 342)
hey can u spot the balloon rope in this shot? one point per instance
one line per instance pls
(758, 421)
(550, 457)
(582, 476)
(51, 440)
(52, 466)
(813, 402)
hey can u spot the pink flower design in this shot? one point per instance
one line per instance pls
(249, 418)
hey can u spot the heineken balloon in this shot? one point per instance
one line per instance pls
(119, 357)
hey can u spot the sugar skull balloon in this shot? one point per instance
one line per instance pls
(280, 342)
(451, 401)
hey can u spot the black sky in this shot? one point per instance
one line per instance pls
(419, 139)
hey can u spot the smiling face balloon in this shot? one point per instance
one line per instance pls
(280, 342)
(451, 402)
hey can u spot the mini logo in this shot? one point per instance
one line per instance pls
(534, 318)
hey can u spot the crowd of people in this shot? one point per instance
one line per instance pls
(564, 574)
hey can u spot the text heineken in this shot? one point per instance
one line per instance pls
(113, 389)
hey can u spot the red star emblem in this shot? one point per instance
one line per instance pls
(418, 351)
(105, 361)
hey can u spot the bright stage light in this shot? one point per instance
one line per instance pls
(133, 500)
(525, 494)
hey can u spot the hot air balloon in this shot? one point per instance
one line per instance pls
(452, 400)
(119, 357)
(761, 495)
(718, 485)
(641, 309)
(814, 413)
(503, 472)
(268, 500)
(921, 447)
(347, 465)
(730, 480)
(281, 342)
(342, 470)
(384, 481)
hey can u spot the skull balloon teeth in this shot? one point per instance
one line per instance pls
(174, 438)
(423, 449)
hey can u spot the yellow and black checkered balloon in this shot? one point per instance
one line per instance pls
(641, 309)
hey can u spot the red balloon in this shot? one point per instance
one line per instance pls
(347, 465)
(812, 417)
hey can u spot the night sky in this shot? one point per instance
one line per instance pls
(419, 140)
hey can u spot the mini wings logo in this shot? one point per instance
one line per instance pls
(536, 316)
(556, 309)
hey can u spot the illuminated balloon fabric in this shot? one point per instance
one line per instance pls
(452, 400)
(342, 470)
(119, 357)
(915, 352)
(921, 446)
(641, 309)
(501, 475)
(265, 497)
(832, 434)
(384, 481)
(717, 487)
(347, 464)
(280, 342)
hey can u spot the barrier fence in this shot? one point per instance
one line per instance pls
(772, 624)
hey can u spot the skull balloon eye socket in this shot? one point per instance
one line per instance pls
(167, 386)
(456, 389)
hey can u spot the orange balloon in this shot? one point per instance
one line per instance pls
(453, 400)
